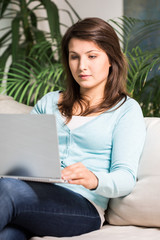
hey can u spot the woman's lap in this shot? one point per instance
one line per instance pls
(46, 209)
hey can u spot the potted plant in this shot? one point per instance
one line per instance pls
(35, 66)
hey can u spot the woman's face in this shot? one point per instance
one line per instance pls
(89, 65)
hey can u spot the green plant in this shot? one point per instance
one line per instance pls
(35, 67)
(23, 32)
(144, 61)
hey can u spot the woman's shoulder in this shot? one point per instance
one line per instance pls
(131, 103)
(47, 103)
(51, 96)
(127, 108)
(129, 115)
(130, 108)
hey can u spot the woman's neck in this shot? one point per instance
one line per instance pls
(92, 97)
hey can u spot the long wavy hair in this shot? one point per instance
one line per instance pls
(102, 34)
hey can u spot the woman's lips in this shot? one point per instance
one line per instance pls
(84, 76)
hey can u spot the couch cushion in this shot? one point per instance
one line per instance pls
(9, 105)
(142, 206)
(109, 232)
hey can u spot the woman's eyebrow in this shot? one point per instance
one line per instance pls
(93, 50)
(72, 52)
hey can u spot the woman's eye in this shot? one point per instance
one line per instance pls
(92, 56)
(73, 57)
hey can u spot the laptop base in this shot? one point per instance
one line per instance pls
(36, 179)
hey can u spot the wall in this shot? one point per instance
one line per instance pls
(104, 9)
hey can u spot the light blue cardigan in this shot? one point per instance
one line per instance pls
(109, 145)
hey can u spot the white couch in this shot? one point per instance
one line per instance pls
(136, 216)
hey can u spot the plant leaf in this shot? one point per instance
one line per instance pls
(3, 6)
(15, 37)
(53, 18)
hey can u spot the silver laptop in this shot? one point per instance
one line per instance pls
(29, 147)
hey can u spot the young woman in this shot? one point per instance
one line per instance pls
(101, 135)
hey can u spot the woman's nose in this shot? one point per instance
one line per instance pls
(82, 64)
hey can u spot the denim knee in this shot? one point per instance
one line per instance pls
(9, 188)
(6, 184)
(16, 190)
(12, 233)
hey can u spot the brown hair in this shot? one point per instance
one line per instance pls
(101, 33)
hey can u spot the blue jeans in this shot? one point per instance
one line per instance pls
(40, 209)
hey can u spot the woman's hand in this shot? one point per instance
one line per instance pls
(78, 174)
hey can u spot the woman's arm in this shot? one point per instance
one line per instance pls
(128, 141)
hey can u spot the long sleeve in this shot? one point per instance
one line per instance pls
(127, 144)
